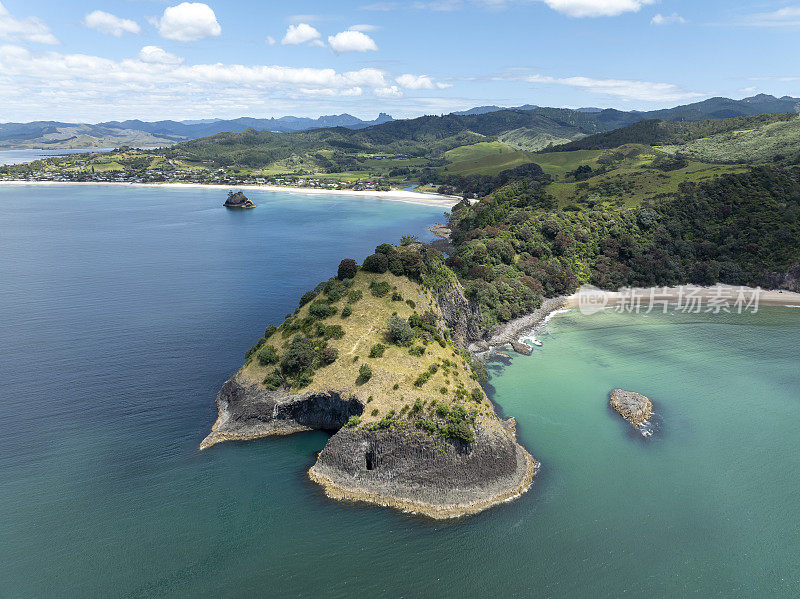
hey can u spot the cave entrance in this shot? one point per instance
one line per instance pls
(369, 458)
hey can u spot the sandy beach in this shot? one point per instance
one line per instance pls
(592, 299)
(396, 195)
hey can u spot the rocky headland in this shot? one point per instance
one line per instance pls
(378, 360)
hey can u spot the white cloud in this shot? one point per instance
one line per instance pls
(351, 41)
(646, 91)
(572, 8)
(31, 29)
(364, 28)
(784, 17)
(156, 55)
(673, 19)
(596, 8)
(389, 92)
(154, 67)
(409, 81)
(270, 40)
(110, 24)
(188, 22)
(300, 34)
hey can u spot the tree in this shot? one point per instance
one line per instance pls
(398, 331)
(378, 263)
(347, 269)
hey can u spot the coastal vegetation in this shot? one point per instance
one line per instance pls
(397, 355)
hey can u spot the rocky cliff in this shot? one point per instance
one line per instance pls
(401, 466)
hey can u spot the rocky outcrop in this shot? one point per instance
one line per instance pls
(248, 411)
(238, 200)
(462, 317)
(633, 407)
(410, 470)
(401, 466)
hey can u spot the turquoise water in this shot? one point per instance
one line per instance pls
(124, 309)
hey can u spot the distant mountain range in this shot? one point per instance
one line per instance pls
(58, 135)
(536, 127)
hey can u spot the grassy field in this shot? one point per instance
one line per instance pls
(391, 386)
(485, 158)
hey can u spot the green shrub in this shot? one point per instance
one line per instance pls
(321, 310)
(458, 430)
(476, 395)
(417, 351)
(427, 424)
(347, 310)
(364, 374)
(398, 331)
(347, 269)
(267, 355)
(376, 351)
(377, 263)
(417, 407)
(422, 379)
(354, 296)
(396, 297)
(375, 412)
(335, 294)
(270, 331)
(480, 372)
(334, 331)
(353, 421)
(273, 381)
(411, 304)
(385, 248)
(307, 297)
(328, 355)
(300, 355)
(303, 378)
(379, 289)
(442, 410)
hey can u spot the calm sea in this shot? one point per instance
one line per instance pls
(122, 311)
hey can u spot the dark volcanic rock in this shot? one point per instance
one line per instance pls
(238, 200)
(400, 466)
(462, 317)
(250, 412)
(408, 469)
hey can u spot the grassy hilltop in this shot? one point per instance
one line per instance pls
(381, 336)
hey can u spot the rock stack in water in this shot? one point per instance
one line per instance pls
(238, 200)
(633, 407)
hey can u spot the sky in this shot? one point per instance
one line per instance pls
(101, 60)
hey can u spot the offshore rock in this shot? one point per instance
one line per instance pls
(238, 200)
(633, 407)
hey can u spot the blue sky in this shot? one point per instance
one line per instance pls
(152, 59)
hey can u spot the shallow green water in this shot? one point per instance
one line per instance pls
(123, 310)
(705, 507)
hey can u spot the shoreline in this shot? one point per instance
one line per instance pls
(672, 295)
(513, 332)
(397, 195)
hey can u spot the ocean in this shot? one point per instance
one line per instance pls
(124, 309)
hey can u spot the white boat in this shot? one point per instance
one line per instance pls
(532, 341)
